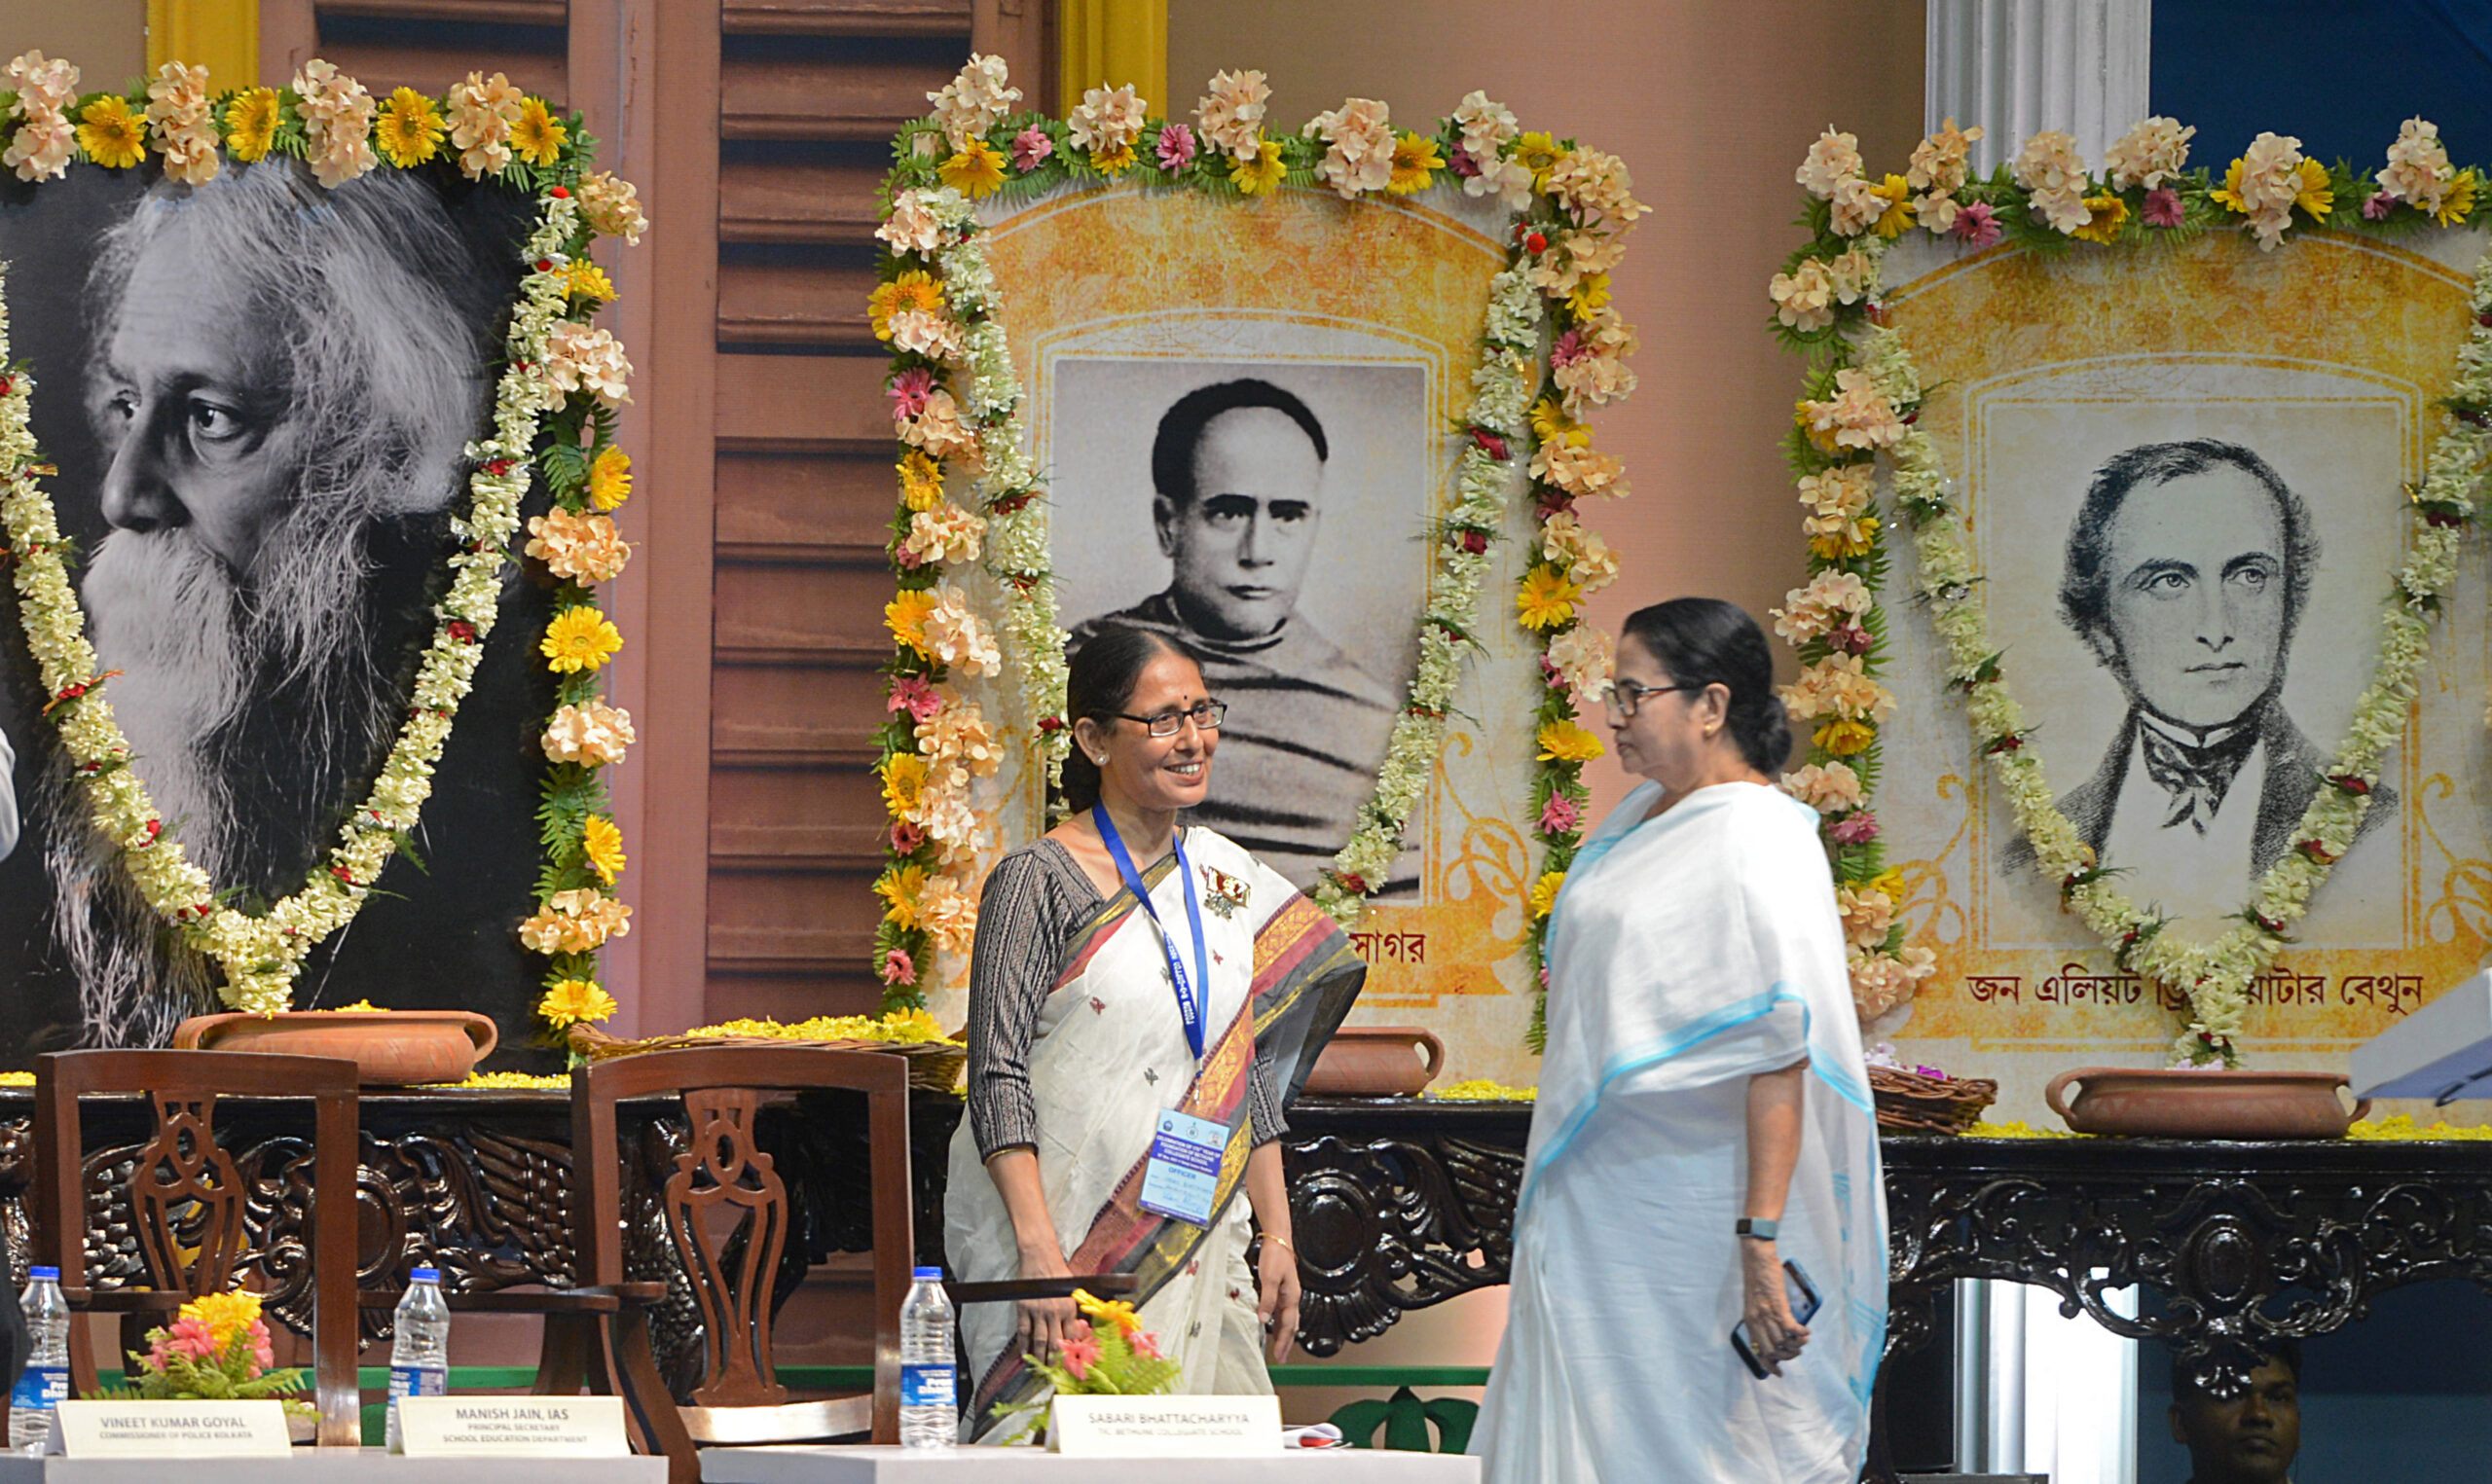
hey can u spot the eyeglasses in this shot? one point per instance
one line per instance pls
(1206, 715)
(1625, 698)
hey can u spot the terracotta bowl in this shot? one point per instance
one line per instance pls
(392, 1048)
(2204, 1104)
(1376, 1062)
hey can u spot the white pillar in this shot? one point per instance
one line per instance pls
(2017, 67)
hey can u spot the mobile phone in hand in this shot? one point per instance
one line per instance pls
(1800, 1293)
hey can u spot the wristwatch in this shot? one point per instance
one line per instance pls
(1759, 1230)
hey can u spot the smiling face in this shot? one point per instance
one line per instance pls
(2197, 602)
(1138, 771)
(1241, 546)
(190, 406)
(2250, 1439)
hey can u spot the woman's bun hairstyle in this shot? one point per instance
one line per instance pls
(1099, 682)
(1704, 641)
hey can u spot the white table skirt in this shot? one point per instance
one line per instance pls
(318, 1465)
(1011, 1465)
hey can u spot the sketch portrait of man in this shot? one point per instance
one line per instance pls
(280, 384)
(1239, 470)
(2186, 575)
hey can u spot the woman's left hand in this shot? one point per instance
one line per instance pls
(1775, 1336)
(1277, 1295)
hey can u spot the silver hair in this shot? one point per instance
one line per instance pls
(252, 695)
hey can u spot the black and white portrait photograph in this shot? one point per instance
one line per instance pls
(2212, 613)
(1270, 518)
(258, 393)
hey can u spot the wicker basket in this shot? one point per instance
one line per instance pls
(1911, 1104)
(934, 1066)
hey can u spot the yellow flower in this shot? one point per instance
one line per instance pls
(1415, 162)
(1547, 599)
(1889, 881)
(110, 134)
(1261, 174)
(977, 170)
(609, 477)
(1591, 293)
(602, 842)
(1843, 736)
(1536, 152)
(1544, 893)
(2457, 203)
(538, 135)
(1565, 742)
(1896, 220)
(410, 129)
(2315, 196)
(2228, 195)
(906, 615)
(225, 1315)
(2106, 215)
(903, 780)
(911, 290)
(589, 281)
(921, 481)
(1115, 162)
(1852, 540)
(1117, 1312)
(1551, 424)
(580, 638)
(899, 887)
(571, 1001)
(250, 122)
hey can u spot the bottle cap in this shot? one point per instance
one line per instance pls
(927, 1275)
(44, 1274)
(425, 1275)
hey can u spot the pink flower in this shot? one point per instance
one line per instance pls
(899, 967)
(906, 838)
(1176, 148)
(1859, 828)
(2378, 207)
(1560, 814)
(915, 695)
(1977, 226)
(1031, 147)
(1080, 1352)
(1569, 349)
(2162, 209)
(1462, 164)
(910, 390)
(1145, 1345)
(191, 1338)
(263, 1355)
(1850, 638)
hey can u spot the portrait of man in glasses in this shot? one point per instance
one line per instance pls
(2186, 574)
(1239, 470)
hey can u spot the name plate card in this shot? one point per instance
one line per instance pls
(527, 1427)
(120, 1430)
(1165, 1427)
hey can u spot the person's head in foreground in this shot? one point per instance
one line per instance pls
(2250, 1438)
(1239, 470)
(1692, 701)
(1144, 730)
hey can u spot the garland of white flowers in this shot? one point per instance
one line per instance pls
(938, 305)
(1865, 401)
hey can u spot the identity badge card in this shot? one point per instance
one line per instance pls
(1182, 1178)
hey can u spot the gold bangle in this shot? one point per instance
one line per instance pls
(1283, 1241)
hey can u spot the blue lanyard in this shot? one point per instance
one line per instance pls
(1189, 1005)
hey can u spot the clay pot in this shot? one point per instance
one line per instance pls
(391, 1048)
(2204, 1104)
(1376, 1062)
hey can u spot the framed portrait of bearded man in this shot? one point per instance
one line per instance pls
(258, 395)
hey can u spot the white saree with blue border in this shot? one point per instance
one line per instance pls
(1688, 953)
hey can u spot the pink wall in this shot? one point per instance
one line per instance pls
(1712, 103)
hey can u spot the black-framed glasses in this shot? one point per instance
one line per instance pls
(1206, 715)
(1625, 698)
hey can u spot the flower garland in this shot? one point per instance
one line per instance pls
(1550, 333)
(1863, 399)
(563, 381)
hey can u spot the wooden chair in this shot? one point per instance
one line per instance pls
(726, 1214)
(187, 1200)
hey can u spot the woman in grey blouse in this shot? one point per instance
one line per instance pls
(1095, 1010)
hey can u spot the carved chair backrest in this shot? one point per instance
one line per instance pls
(725, 1205)
(187, 1199)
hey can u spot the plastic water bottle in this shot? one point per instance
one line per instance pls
(929, 1415)
(420, 1349)
(45, 1382)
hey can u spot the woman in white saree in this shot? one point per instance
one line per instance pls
(1703, 1115)
(1124, 968)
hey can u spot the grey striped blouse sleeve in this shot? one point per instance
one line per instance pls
(1263, 1100)
(1021, 932)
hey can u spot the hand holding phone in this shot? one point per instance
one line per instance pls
(1802, 1296)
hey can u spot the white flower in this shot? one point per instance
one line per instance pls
(1804, 298)
(910, 228)
(1486, 128)
(1230, 116)
(2154, 151)
(1107, 119)
(2054, 173)
(1834, 159)
(2418, 170)
(974, 101)
(1360, 134)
